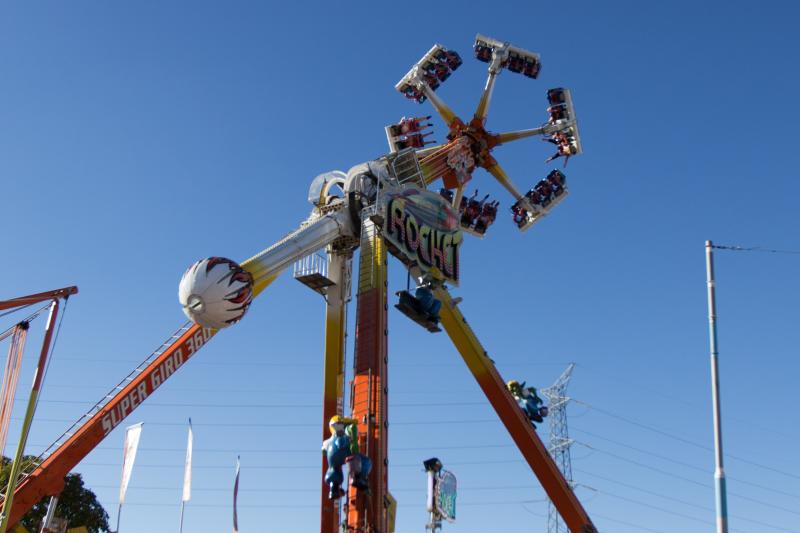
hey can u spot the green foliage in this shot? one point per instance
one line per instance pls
(77, 504)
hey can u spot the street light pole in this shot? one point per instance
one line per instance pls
(719, 472)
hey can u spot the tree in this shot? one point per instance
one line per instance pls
(77, 504)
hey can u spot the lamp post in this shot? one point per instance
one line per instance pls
(719, 471)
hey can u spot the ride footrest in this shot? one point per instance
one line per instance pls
(540, 200)
(408, 306)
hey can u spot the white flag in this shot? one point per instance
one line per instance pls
(235, 494)
(187, 471)
(129, 456)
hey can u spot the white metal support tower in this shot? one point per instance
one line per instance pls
(560, 443)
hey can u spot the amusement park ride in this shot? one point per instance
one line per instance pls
(383, 206)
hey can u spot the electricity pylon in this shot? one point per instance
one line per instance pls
(560, 443)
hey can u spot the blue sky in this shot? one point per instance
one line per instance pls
(139, 137)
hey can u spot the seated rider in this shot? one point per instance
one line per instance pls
(453, 59)
(462, 206)
(428, 304)
(487, 216)
(545, 191)
(556, 179)
(472, 210)
(341, 448)
(534, 196)
(562, 142)
(520, 215)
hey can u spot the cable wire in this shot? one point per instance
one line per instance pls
(736, 248)
(684, 464)
(685, 440)
(11, 311)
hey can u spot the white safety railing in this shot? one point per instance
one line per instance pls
(315, 263)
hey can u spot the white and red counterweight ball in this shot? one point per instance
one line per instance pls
(215, 292)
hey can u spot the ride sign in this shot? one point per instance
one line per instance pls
(425, 230)
(446, 495)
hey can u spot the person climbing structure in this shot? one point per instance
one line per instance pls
(341, 448)
(527, 399)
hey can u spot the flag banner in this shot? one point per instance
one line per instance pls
(129, 456)
(235, 495)
(187, 471)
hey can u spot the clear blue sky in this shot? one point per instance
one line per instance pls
(138, 137)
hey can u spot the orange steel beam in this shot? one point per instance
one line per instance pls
(515, 421)
(333, 373)
(367, 512)
(48, 478)
(38, 297)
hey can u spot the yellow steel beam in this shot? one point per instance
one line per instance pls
(333, 369)
(500, 175)
(515, 421)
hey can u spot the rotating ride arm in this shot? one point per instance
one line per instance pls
(455, 161)
(46, 476)
(515, 421)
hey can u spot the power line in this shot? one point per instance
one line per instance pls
(268, 405)
(463, 463)
(687, 480)
(289, 425)
(737, 248)
(691, 504)
(613, 376)
(484, 488)
(291, 391)
(687, 465)
(639, 527)
(648, 452)
(296, 450)
(648, 467)
(646, 491)
(474, 421)
(758, 522)
(300, 467)
(655, 507)
(108, 503)
(284, 364)
(420, 489)
(684, 440)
